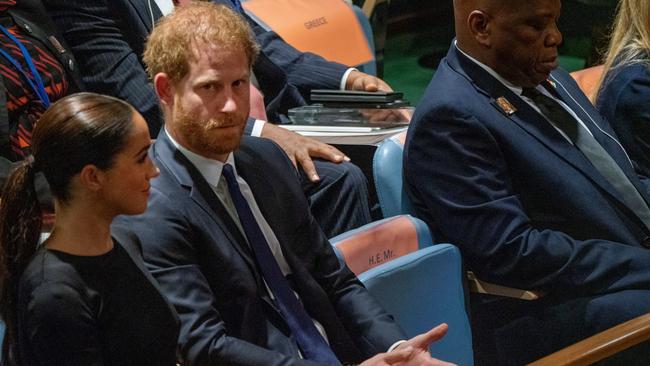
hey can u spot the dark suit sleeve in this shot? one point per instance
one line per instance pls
(108, 63)
(305, 70)
(170, 244)
(468, 195)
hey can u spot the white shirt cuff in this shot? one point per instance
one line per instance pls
(344, 79)
(257, 128)
(395, 345)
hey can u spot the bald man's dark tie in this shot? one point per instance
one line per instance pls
(591, 149)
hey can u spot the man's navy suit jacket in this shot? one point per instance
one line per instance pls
(205, 268)
(524, 205)
(107, 37)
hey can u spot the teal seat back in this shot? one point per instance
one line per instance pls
(387, 173)
(423, 289)
(421, 284)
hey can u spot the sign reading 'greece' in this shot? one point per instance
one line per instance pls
(333, 30)
(315, 22)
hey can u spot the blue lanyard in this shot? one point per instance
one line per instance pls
(39, 87)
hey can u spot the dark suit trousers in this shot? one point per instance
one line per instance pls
(339, 202)
(516, 332)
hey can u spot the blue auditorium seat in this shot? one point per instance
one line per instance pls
(423, 289)
(387, 173)
(419, 283)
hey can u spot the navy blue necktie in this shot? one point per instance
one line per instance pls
(311, 342)
(592, 150)
(237, 5)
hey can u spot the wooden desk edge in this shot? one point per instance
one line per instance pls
(601, 345)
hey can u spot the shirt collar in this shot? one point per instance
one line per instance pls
(210, 169)
(515, 89)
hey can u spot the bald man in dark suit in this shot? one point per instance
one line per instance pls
(508, 159)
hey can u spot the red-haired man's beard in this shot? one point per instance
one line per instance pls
(215, 136)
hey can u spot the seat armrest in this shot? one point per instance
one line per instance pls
(601, 345)
(482, 287)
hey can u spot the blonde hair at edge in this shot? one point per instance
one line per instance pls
(630, 38)
(170, 44)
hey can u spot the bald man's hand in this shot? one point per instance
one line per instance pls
(360, 81)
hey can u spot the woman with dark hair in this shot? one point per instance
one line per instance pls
(81, 298)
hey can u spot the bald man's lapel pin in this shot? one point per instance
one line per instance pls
(552, 83)
(505, 106)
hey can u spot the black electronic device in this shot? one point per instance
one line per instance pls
(352, 96)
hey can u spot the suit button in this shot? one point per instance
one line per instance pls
(28, 28)
(646, 242)
(71, 65)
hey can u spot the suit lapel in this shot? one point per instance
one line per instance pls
(201, 193)
(203, 196)
(531, 121)
(589, 120)
(264, 193)
(614, 149)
